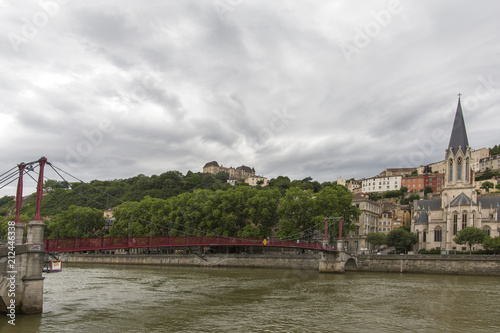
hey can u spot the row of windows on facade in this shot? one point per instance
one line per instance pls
(381, 183)
(438, 233)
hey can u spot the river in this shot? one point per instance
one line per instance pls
(104, 298)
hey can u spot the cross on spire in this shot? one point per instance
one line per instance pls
(459, 94)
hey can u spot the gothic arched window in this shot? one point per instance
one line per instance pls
(450, 174)
(438, 234)
(459, 168)
(467, 169)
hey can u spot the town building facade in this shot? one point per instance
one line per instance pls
(257, 180)
(419, 183)
(490, 162)
(437, 221)
(477, 156)
(381, 184)
(367, 223)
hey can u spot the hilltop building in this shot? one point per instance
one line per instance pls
(490, 162)
(477, 156)
(397, 172)
(241, 173)
(436, 222)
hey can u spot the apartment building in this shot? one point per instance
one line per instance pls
(417, 183)
(381, 184)
(476, 156)
(490, 162)
(367, 223)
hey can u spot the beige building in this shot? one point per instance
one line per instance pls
(437, 221)
(257, 180)
(241, 172)
(396, 172)
(438, 167)
(367, 223)
(385, 222)
(341, 181)
(354, 186)
(490, 162)
(479, 183)
(478, 155)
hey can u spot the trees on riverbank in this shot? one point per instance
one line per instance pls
(283, 210)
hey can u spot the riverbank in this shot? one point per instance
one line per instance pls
(283, 261)
(429, 264)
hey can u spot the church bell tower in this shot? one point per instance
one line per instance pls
(459, 177)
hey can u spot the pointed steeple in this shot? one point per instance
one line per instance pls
(459, 133)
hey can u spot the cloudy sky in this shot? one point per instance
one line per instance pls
(111, 89)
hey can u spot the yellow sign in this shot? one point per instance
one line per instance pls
(56, 265)
(264, 242)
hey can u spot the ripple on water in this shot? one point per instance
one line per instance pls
(159, 299)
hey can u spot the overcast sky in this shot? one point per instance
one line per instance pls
(326, 89)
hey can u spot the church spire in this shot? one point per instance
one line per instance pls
(459, 133)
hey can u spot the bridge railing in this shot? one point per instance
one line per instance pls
(110, 243)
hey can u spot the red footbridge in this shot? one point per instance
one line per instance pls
(114, 243)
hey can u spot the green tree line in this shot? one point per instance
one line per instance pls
(194, 204)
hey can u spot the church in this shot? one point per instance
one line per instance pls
(436, 222)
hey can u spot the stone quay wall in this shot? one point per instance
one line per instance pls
(434, 264)
(284, 261)
(431, 264)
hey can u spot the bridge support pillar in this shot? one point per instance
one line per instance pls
(19, 230)
(32, 301)
(333, 262)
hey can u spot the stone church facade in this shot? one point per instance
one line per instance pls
(436, 222)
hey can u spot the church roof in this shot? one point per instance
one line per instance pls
(423, 218)
(433, 204)
(492, 202)
(462, 200)
(458, 133)
(213, 163)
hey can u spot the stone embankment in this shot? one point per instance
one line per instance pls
(431, 264)
(300, 261)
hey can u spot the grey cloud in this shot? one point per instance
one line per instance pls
(181, 86)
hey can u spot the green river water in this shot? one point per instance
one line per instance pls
(101, 298)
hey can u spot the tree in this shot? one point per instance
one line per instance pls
(495, 150)
(401, 239)
(427, 190)
(76, 222)
(376, 238)
(492, 243)
(281, 182)
(470, 236)
(487, 185)
(51, 184)
(497, 186)
(223, 176)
